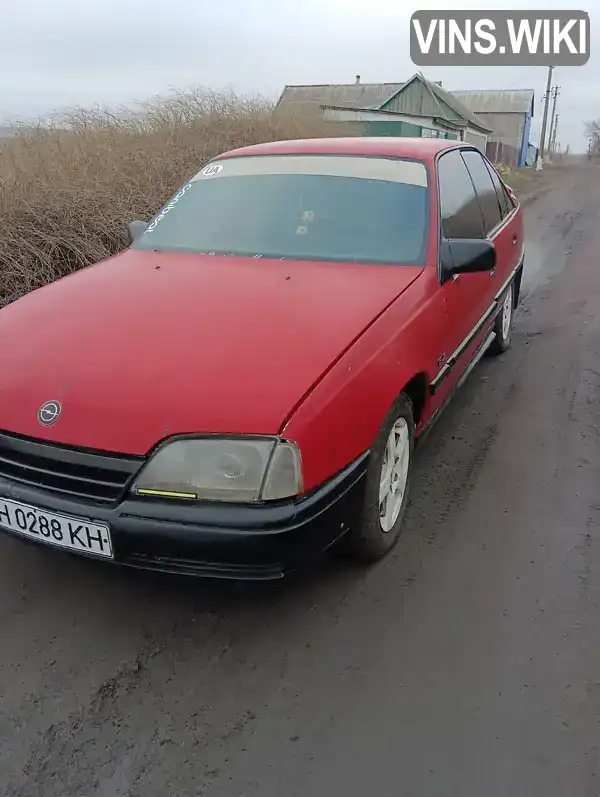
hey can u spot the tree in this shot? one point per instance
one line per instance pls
(592, 130)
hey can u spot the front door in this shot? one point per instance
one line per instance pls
(467, 296)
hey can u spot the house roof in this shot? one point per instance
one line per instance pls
(369, 96)
(491, 101)
(459, 108)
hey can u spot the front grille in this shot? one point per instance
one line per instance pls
(71, 471)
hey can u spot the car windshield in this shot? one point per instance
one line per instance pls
(323, 207)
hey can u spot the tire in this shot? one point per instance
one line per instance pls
(375, 536)
(503, 325)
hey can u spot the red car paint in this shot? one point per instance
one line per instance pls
(146, 345)
(135, 353)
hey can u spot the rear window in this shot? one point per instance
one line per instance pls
(319, 207)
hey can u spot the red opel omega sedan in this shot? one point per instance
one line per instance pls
(244, 384)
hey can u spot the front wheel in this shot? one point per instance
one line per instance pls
(387, 485)
(504, 323)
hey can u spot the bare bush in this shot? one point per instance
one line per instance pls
(70, 183)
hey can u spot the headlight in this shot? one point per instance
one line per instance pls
(221, 469)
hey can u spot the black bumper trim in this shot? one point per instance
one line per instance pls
(217, 540)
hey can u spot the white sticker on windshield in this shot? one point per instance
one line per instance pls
(211, 170)
(153, 224)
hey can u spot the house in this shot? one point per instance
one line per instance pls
(417, 107)
(508, 113)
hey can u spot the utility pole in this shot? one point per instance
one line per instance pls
(553, 140)
(551, 137)
(540, 157)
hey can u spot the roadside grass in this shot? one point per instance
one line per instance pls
(527, 183)
(70, 183)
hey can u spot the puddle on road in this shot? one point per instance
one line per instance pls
(534, 272)
(556, 225)
(544, 259)
(549, 242)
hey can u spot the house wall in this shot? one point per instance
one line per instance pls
(403, 125)
(392, 128)
(510, 135)
(507, 127)
(349, 115)
(416, 99)
(438, 132)
(525, 141)
(476, 138)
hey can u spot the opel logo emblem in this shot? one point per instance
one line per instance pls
(49, 412)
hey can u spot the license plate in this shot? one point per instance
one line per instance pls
(61, 531)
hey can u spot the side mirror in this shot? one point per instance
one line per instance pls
(135, 229)
(467, 256)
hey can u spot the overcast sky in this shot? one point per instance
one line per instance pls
(70, 52)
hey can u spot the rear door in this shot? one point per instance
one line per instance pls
(511, 217)
(499, 216)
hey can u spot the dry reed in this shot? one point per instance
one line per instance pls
(70, 183)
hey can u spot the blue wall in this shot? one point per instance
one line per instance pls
(525, 139)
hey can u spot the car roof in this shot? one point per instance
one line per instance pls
(424, 149)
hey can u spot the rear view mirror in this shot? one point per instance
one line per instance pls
(467, 256)
(135, 229)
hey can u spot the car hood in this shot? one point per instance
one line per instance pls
(146, 345)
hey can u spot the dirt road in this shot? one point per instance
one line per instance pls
(466, 664)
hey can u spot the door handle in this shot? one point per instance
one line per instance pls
(514, 240)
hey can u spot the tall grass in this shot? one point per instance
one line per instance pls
(70, 183)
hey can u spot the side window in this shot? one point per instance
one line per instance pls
(459, 208)
(488, 199)
(505, 204)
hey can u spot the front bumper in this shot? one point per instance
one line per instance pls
(215, 540)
